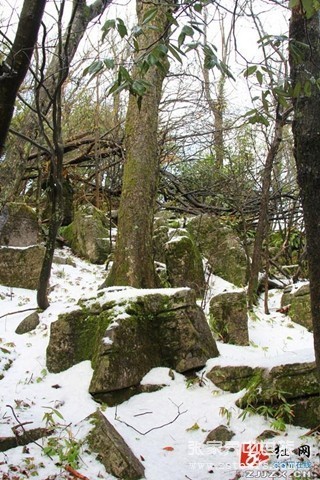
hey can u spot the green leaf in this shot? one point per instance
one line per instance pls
(149, 15)
(307, 88)
(174, 52)
(94, 68)
(122, 29)
(139, 87)
(109, 63)
(117, 88)
(210, 58)
(123, 74)
(109, 25)
(198, 7)
(188, 31)
(250, 71)
(192, 46)
(194, 428)
(259, 77)
(195, 26)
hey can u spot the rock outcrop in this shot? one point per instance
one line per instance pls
(221, 246)
(229, 318)
(21, 267)
(126, 335)
(88, 234)
(300, 306)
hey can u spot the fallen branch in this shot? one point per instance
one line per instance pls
(310, 432)
(75, 473)
(20, 311)
(153, 428)
(27, 436)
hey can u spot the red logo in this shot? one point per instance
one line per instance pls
(252, 454)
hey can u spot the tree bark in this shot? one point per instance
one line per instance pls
(13, 70)
(133, 259)
(306, 131)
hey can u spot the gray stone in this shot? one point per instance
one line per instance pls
(21, 267)
(18, 225)
(113, 452)
(221, 246)
(228, 317)
(88, 234)
(220, 434)
(28, 324)
(300, 306)
(125, 340)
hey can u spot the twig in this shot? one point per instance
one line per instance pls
(310, 432)
(140, 414)
(75, 473)
(153, 428)
(19, 311)
(25, 431)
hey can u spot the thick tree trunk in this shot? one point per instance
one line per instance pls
(133, 259)
(14, 68)
(306, 131)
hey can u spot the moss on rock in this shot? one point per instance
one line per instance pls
(88, 234)
(221, 246)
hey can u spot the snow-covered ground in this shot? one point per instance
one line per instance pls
(165, 429)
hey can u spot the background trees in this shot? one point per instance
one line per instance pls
(193, 136)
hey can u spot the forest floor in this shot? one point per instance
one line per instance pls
(165, 429)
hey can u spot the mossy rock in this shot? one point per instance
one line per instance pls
(160, 238)
(221, 246)
(127, 337)
(300, 305)
(21, 267)
(88, 234)
(113, 452)
(19, 225)
(228, 317)
(184, 263)
(295, 384)
(220, 434)
(306, 412)
(233, 378)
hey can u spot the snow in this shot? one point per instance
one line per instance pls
(165, 429)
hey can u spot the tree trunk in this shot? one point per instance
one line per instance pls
(133, 259)
(307, 146)
(15, 66)
(263, 212)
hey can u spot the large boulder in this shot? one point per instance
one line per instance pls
(184, 263)
(88, 235)
(221, 246)
(18, 225)
(229, 318)
(126, 335)
(21, 267)
(296, 384)
(300, 307)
